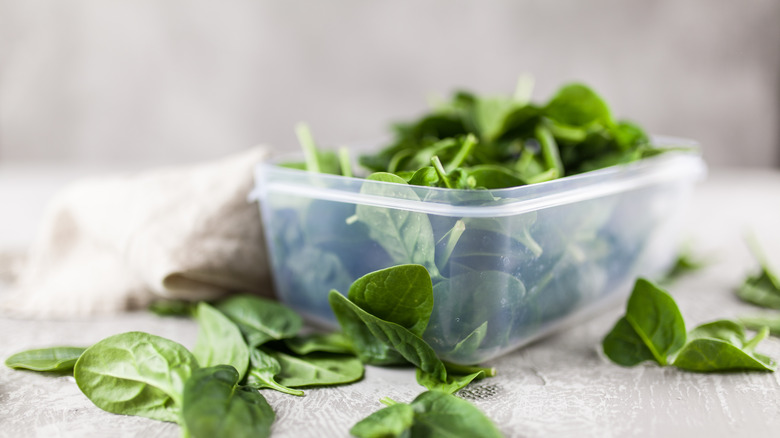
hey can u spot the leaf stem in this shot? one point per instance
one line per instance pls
(309, 147)
(344, 162)
(465, 150)
(387, 401)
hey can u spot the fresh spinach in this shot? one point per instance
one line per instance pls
(389, 334)
(652, 321)
(453, 383)
(261, 320)
(318, 369)
(54, 359)
(653, 329)
(136, 373)
(219, 341)
(723, 346)
(173, 308)
(263, 370)
(757, 322)
(433, 414)
(215, 405)
(402, 294)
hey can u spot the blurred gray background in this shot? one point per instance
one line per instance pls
(142, 81)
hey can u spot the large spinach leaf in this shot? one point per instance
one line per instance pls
(214, 405)
(219, 341)
(136, 373)
(399, 339)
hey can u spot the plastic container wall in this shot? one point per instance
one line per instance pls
(507, 265)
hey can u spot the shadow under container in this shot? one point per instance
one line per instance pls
(508, 266)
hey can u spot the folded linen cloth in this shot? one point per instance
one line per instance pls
(118, 243)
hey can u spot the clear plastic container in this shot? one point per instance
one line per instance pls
(508, 265)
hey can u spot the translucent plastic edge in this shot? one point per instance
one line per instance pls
(667, 167)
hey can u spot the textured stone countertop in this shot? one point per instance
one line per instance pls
(559, 386)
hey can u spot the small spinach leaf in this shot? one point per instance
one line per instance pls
(261, 320)
(318, 369)
(54, 359)
(772, 322)
(453, 384)
(219, 341)
(172, 308)
(722, 346)
(262, 370)
(577, 105)
(136, 373)
(762, 289)
(216, 406)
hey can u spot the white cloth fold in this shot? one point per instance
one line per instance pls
(117, 243)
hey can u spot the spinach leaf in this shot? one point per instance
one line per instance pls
(723, 346)
(652, 319)
(440, 414)
(214, 405)
(401, 294)
(453, 384)
(54, 359)
(261, 320)
(410, 346)
(368, 348)
(316, 160)
(406, 236)
(432, 414)
(136, 373)
(685, 264)
(262, 372)
(219, 341)
(392, 421)
(577, 105)
(335, 343)
(318, 369)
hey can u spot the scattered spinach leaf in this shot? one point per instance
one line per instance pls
(172, 308)
(334, 342)
(757, 322)
(723, 346)
(54, 359)
(136, 373)
(215, 405)
(392, 421)
(263, 368)
(318, 369)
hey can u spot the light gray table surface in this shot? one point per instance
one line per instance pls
(558, 386)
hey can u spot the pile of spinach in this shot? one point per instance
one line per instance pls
(530, 269)
(246, 343)
(653, 330)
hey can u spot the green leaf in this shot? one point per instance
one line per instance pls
(453, 384)
(54, 359)
(438, 414)
(318, 369)
(316, 160)
(407, 344)
(402, 294)
(577, 105)
(136, 373)
(391, 421)
(760, 290)
(405, 235)
(219, 341)
(335, 343)
(263, 368)
(491, 176)
(216, 406)
(652, 319)
(261, 320)
(426, 177)
(624, 346)
(722, 346)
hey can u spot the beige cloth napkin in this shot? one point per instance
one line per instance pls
(117, 243)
